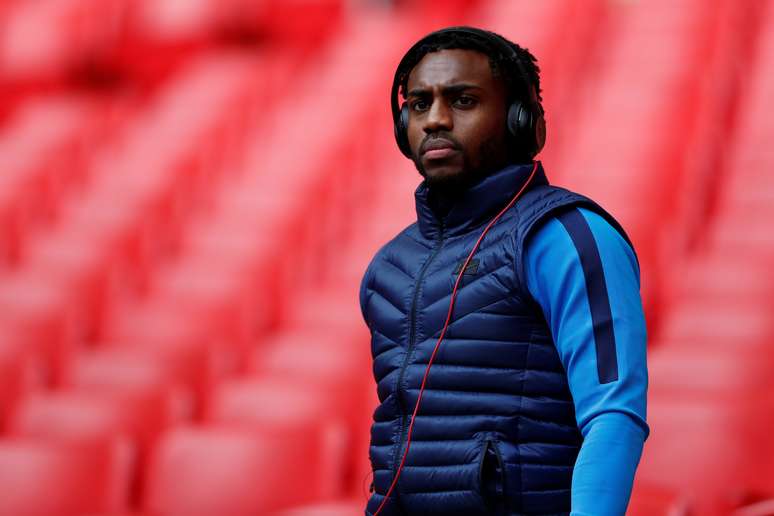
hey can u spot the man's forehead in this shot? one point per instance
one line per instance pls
(451, 66)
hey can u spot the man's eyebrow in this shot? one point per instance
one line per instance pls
(446, 90)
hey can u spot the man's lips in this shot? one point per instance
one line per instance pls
(439, 153)
(438, 149)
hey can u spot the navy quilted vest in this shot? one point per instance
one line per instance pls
(496, 430)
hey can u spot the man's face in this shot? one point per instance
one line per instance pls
(457, 118)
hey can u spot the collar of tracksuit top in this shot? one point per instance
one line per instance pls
(496, 430)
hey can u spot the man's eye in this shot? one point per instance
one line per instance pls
(419, 105)
(465, 101)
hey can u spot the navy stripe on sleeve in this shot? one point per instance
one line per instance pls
(599, 301)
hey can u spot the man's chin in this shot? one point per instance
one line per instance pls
(440, 175)
(447, 179)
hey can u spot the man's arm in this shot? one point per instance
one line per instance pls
(585, 277)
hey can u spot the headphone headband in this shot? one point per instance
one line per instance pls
(487, 37)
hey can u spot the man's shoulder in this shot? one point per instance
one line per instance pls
(400, 242)
(546, 197)
(548, 202)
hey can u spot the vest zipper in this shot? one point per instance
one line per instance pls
(412, 343)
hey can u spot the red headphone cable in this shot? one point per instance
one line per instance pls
(443, 332)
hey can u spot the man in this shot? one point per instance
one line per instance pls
(536, 399)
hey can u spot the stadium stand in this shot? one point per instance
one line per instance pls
(708, 368)
(176, 337)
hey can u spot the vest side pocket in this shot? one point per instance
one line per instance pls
(491, 477)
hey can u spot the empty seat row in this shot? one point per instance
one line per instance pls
(98, 249)
(146, 38)
(35, 141)
(267, 442)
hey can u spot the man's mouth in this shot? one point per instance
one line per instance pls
(439, 153)
(438, 149)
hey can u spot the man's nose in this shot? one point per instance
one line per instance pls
(438, 118)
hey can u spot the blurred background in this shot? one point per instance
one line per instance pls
(190, 191)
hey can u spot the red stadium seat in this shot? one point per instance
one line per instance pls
(710, 321)
(216, 471)
(337, 309)
(336, 364)
(42, 154)
(76, 31)
(38, 319)
(164, 36)
(168, 25)
(231, 245)
(753, 240)
(173, 340)
(649, 501)
(89, 416)
(332, 508)
(761, 508)
(675, 367)
(130, 422)
(43, 479)
(222, 300)
(293, 411)
(333, 363)
(712, 449)
(80, 261)
(723, 275)
(14, 381)
(122, 513)
(174, 29)
(137, 373)
(267, 400)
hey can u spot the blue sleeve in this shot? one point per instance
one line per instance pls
(585, 277)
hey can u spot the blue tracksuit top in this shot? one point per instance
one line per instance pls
(535, 403)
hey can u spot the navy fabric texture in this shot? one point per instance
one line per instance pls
(496, 431)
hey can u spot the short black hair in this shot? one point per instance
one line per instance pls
(518, 78)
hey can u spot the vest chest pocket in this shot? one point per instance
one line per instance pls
(491, 475)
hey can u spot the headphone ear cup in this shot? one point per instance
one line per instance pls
(516, 119)
(401, 130)
(527, 127)
(520, 127)
(540, 133)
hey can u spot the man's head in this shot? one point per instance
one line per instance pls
(458, 86)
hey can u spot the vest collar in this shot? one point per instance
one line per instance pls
(477, 204)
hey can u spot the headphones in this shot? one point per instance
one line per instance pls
(525, 120)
